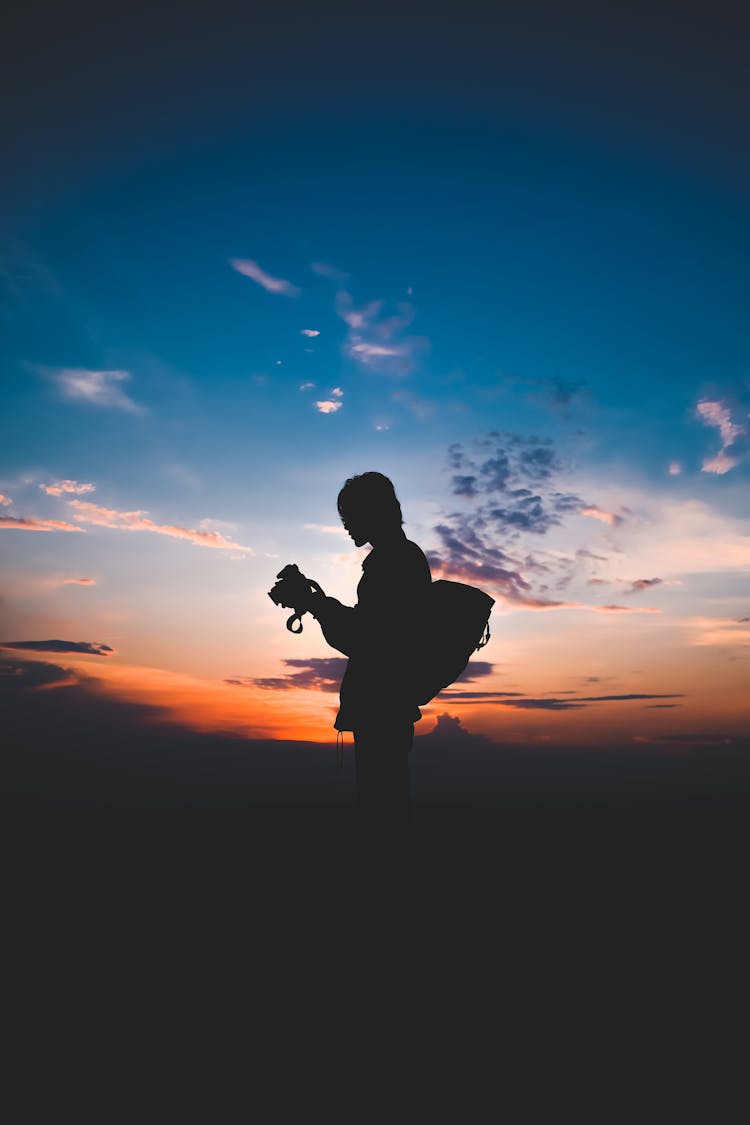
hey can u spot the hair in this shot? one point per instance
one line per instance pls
(374, 493)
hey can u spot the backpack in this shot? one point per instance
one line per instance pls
(457, 625)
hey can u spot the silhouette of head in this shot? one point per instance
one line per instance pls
(369, 507)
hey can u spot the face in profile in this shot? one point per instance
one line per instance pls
(357, 527)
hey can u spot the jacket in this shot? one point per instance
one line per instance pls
(379, 635)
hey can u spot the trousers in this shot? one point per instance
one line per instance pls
(381, 758)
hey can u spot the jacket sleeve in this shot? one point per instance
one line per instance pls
(339, 624)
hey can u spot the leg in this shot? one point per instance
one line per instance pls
(381, 756)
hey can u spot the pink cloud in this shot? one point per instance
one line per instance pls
(86, 512)
(61, 486)
(599, 514)
(310, 332)
(719, 464)
(251, 269)
(624, 609)
(5, 500)
(328, 406)
(675, 468)
(79, 582)
(30, 523)
(717, 414)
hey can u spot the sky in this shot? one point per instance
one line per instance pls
(500, 256)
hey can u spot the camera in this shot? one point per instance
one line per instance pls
(292, 590)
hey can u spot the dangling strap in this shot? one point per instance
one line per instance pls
(339, 751)
(485, 637)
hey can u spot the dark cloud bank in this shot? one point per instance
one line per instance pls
(77, 765)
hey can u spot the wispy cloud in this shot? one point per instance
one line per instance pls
(5, 501)
(315, 674)
(332, 273)
(306, 386)
(554, 393)
(719, 415)
(377, 341)
(86, 512)
(675, 468)
(31, 523)
(251, 269)
(720, 631)
(71, 486)
(88, 647)
(96, 388)
(310, 332)
(325, 529)
(79, 582)
(546, 703)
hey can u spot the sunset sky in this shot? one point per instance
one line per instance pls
(504, 261)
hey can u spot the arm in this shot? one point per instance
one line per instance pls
(338, 622)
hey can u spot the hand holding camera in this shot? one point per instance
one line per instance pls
(295, 591)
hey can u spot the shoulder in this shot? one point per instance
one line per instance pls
(417, 559)
(404, 559)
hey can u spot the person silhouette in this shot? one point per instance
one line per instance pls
(379, 635)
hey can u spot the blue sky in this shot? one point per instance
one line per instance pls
(242, 261)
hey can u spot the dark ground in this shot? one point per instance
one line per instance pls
(137, 852)
(77, 767)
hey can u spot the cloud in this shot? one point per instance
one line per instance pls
(722, 631)
(379, 342)
(5, 501)
(675, 468)
(719, 464)
(641, 584)
(97, 388)
(251, 269)
(315, 674)
(545, 703)
(718, 414)
(71, 486)
(449, 728)
(623, 609)
(554, 393)
(328, 406)
(86, 512)
(88, 647)
(323, 269)
(306, 386)
(337, 392)
(31, 523)
(79, 582)
(310, 331)
(325, 529)
(475, 670)
(596, 513)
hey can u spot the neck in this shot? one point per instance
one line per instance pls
(386, 537)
